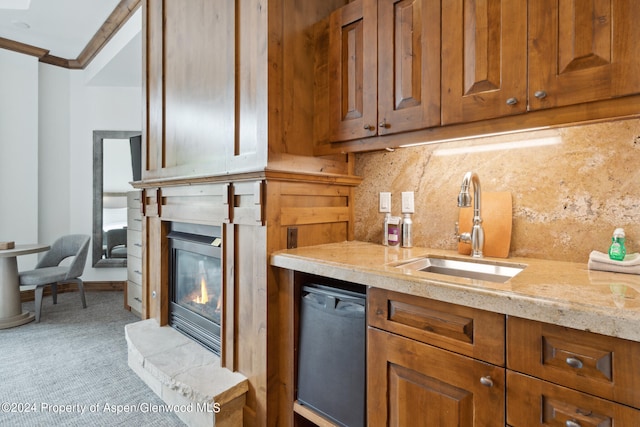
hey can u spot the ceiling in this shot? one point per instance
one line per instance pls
(65, 27)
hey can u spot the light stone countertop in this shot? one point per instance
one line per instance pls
(557, 292)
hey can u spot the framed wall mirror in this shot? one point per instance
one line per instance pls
(116, 163)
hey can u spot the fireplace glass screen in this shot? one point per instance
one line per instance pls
(195, 306)
(198, 284)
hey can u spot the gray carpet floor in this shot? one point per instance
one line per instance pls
(71, 368)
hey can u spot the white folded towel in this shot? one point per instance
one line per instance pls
(601, 261)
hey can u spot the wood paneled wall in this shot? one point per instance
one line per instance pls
(320, 211)
(231, 111)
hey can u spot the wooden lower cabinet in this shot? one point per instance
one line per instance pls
(559, 376)
(595, 364)
(532, 402)
(431, 363)
(414, 384)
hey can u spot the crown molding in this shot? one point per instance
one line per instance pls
(109, 28)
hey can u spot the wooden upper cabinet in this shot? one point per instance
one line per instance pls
(352, 71)
(384, 67)
(484, 63)
(582, 51)
(408, 65)
(436, 70)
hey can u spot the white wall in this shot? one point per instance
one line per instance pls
(97, 103)
(54, 153)
(19, 151)
(95, 108)
(47, 118)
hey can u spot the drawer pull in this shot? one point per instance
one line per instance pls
(574, 363)
(139, 300)
(571, 423)
(540, 94)
(138, 245)
(486, 381)
(137, 271)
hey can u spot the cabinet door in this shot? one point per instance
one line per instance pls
(352, 71)
(413, 384)
(190, 89)
(533, 402)
(581, 51)
(484, 61)
(408, 65)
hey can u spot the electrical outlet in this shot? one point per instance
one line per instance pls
(385, 202)
(292, 237)
(407, 202)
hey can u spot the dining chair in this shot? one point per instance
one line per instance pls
(50, 271)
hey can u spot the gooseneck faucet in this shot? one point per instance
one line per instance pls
(476, 237)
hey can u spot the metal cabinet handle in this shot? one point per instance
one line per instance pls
(574, 362)
(368, 127)
(512, 101)
(486, 381)
(571, 423)
(137, 299)
(384, 124)
(540, 94)
(139, 245)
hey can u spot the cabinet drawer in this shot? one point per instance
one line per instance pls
(134, 296)
(472, 332)
(134, 219)
(134, 198)
(134, 269)
(134, 243)
(533, 402)
(597, 364)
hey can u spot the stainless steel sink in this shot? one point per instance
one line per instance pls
(478, 270)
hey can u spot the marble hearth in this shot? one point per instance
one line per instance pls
(183, 373)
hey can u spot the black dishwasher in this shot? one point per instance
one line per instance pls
(332, 356)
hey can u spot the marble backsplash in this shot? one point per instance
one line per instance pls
(571, 187)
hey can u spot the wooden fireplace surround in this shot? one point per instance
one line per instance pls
(318, 207)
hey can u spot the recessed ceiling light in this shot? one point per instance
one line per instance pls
(15, 4)
(20, 24)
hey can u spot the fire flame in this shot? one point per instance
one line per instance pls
(204, 295)
(219, 305)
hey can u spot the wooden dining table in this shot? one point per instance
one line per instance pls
(11, 313)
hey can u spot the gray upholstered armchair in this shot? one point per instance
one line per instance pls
(116, 243)
(48, 271)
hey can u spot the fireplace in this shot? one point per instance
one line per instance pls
(195, 282)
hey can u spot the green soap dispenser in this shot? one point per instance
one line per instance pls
(617, 251)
